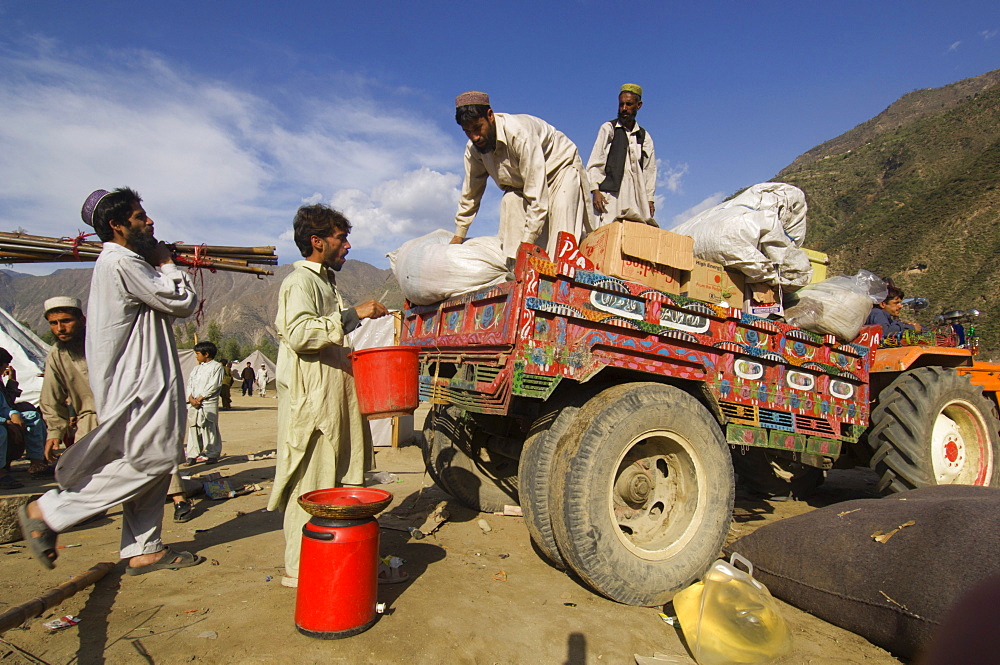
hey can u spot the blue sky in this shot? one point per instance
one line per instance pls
(226, 116)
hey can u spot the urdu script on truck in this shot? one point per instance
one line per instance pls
(773, 385)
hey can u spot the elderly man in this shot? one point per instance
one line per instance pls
(537, 167)
(622, 166)
(323, 441)
(135, 293)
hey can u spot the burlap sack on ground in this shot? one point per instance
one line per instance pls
(893, 593)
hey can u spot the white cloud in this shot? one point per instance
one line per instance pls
(669, 176)
(989, 34)
(954, 46)
(214, 163)
(706, 203)
(396, 210)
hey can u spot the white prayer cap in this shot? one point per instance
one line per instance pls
(59, 302)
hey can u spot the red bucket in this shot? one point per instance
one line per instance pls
(385, 379)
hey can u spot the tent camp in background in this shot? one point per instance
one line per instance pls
(29, 355)
(256, 359)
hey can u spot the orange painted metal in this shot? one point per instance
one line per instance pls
(986, 375)
(903, 357)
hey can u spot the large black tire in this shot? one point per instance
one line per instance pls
(933, 427)
(761, 472)
(457, 460)
(647, 490)
(534, 472)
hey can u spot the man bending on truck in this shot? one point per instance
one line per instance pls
(537, 167)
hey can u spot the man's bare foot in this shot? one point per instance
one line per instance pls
(146, 559)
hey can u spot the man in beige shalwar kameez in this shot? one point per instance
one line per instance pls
(538, 168)
(323, 440)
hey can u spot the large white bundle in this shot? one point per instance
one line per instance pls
(760, 233)
(429, 269)
(837, 306)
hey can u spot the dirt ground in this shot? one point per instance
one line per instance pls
(474, 596)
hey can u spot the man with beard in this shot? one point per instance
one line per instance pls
(67, 402)
(323, 440)
(135, 293)
(622, 166)
(537, 167)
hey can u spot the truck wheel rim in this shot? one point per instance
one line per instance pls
(960, 446)
(655, 498)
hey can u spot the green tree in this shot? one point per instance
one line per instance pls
(230, 348)
(268, 348)
(214, 333)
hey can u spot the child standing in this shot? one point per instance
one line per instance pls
(204, 444)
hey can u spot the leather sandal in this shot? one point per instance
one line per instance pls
(167, 562)
(43, 546)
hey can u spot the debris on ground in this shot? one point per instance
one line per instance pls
(270, 454)
(209, 635)
(219, 489)
(511, 511)
(484, 525)
(249, 489)
(668, 619)
(659, 659)
(500, 576)
(381, 478)
(60, 623)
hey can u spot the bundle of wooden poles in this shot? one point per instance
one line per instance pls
(23, 248)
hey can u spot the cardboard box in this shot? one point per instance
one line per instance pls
(763, 300)
(733, 288)
(703, 281)
(640, 253)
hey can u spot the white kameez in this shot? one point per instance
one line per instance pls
(323, 440)
(543, 178)
(638, 185)
(139, 396)
(203, 436)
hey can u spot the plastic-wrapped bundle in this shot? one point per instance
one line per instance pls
(429, 269)
(759, 232)
(837, 306)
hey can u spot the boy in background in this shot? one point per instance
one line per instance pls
(204, 444)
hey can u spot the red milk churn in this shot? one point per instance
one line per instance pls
(338, 565)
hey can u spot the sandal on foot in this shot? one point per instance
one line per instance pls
(388, 575)
(41, 546)
(167, 562)
(183, 511)
(38, 468)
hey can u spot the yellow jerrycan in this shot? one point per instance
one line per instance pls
(729, 618)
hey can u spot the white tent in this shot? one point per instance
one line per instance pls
(29, 355)
(256, 359)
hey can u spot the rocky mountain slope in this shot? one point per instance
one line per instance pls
(914, 194)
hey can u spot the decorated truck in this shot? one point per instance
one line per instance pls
(613, 414)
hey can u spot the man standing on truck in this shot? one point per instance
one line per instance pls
(536, 165)
(622, 166)
(323, 440)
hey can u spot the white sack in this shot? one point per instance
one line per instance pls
(429, 269)
(837, 306)
(759, 232)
